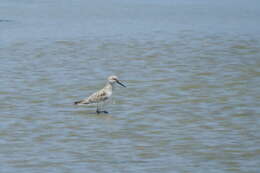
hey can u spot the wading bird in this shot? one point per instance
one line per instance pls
(102, 95)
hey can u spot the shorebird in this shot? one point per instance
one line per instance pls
(101, 95)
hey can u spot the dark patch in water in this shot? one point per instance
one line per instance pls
(4, 20)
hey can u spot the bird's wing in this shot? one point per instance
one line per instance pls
(97, 97)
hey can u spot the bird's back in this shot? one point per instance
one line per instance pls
(96, 97)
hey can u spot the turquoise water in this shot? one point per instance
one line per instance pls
(192, 75)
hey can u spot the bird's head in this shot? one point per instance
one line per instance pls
(114, 79)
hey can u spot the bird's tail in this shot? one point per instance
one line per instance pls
(81, 102)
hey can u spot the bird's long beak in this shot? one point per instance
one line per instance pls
(120, 83)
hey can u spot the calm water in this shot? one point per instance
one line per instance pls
(192, 72)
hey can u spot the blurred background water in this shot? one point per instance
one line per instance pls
(193, 78)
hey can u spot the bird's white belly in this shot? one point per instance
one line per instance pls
(109, 93)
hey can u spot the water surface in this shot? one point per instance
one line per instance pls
(192, 75)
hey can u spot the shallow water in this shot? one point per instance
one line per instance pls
(192, 74)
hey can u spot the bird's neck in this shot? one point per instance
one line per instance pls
(109, 86)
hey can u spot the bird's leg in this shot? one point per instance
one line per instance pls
(98, 111)
(104, 111)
